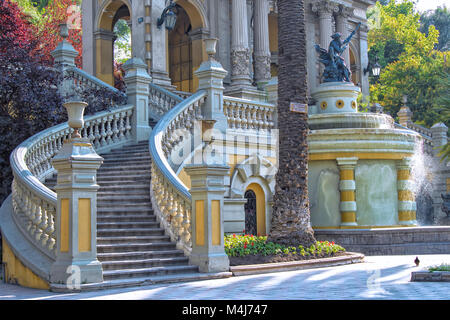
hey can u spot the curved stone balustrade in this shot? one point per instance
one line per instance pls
(170, 197)
(34, 204)
(84, 79)
(161, 101)
(249, 115)
(425, 134)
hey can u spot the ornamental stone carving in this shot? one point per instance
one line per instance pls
(325, 7)
(240, 60)
(262, 67)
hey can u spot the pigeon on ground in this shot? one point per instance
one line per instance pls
(417, 261)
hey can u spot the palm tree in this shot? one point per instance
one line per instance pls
(291, 216)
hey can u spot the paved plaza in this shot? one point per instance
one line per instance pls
(379, 277)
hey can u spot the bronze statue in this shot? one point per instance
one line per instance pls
(335, 67)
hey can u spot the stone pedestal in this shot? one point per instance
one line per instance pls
(336, 97)
(406, 197)
(207, 230)
(137, 80)
(347, 188)
(76, 218)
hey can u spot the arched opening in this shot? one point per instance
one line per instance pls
(255, 210)
(353, 67)
(113, 18)
(186, 47)
(180, 53)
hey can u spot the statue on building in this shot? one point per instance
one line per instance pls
(335, 67)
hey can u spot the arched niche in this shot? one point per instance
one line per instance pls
(109, 13)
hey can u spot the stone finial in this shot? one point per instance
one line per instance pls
(439, 134)
(405, 116)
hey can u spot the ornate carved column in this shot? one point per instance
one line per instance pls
(240, 51)
(342, 27)
(347, 188)
(325, 10)
(262, 48)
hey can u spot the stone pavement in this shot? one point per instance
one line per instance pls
(379, 277)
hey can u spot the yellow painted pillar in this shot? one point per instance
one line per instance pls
(347, 188)
(198, 53)
(406, 197)
(76, 217)
(104, 56)
(207, 191)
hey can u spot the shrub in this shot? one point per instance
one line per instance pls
(242, 245)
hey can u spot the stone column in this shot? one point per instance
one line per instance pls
(404, 116)
(364, 59)
(76, 217)
(197, 37)
(104, 55)
(64, 58)
(441, 171)
(207, 190)
(325, 10)
(342, 27)
(138, 30)
(137, 81)
(88, 14)
(439, 135)
(272, 91)
(347, 188)
(210, 77)
(406, 197)
(261, 40)
(240, 51)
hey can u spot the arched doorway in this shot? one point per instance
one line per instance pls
(250, 213)
(353, 67)
(186, 49)
(255, 210)
(180, 53)
(114, 11)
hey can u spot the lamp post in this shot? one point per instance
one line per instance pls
(375, 68)
(168, 16)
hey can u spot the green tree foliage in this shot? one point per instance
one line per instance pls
(440, 19)
(410, 64)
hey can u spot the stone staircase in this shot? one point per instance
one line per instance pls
(131, 245)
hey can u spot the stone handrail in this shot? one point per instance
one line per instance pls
(34, 204)
(170, 197)
(425, 134)
(161, 101)
(84, 79)
(249, 115)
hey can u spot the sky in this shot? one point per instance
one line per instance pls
(424, 5)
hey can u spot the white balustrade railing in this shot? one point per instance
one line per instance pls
(34, 204)
(425, 134)
(85, 80)
(161, 101)
(170, 197)
(249, 115)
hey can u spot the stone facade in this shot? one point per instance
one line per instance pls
(247, 33)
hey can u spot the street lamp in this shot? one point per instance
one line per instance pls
(375, 68)
(168, 16)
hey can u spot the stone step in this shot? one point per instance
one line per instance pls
(126, 225)
(125, 157)
(106, 178)
(121, 154)
(144, 193)
(123, 173)
(129, 232)
(124, 186)
(133, 148)
(148, 272)
(124, 211)
(114, 256)
(109, 165)
(132, 240)
(143, 263)
(124, 200)
(129, 168)
(125, 218)
(134, 247)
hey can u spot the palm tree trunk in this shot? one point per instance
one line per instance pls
(291, 216)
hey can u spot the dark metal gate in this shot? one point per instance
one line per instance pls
(250, 213)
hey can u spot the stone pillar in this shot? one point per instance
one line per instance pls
(364, 59)
(404, 116)
(261, 40)
(439, 135)
(347, 188)
(138, 30)
(207, 190)
(76, 216)
(240, 51)
(64, 58)
(406, 197)
(197, 37)
(88, 14)
(325, 10)
(210, 78)
(342, 27)
(272, 91)
(137, 81)
(104, 56)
